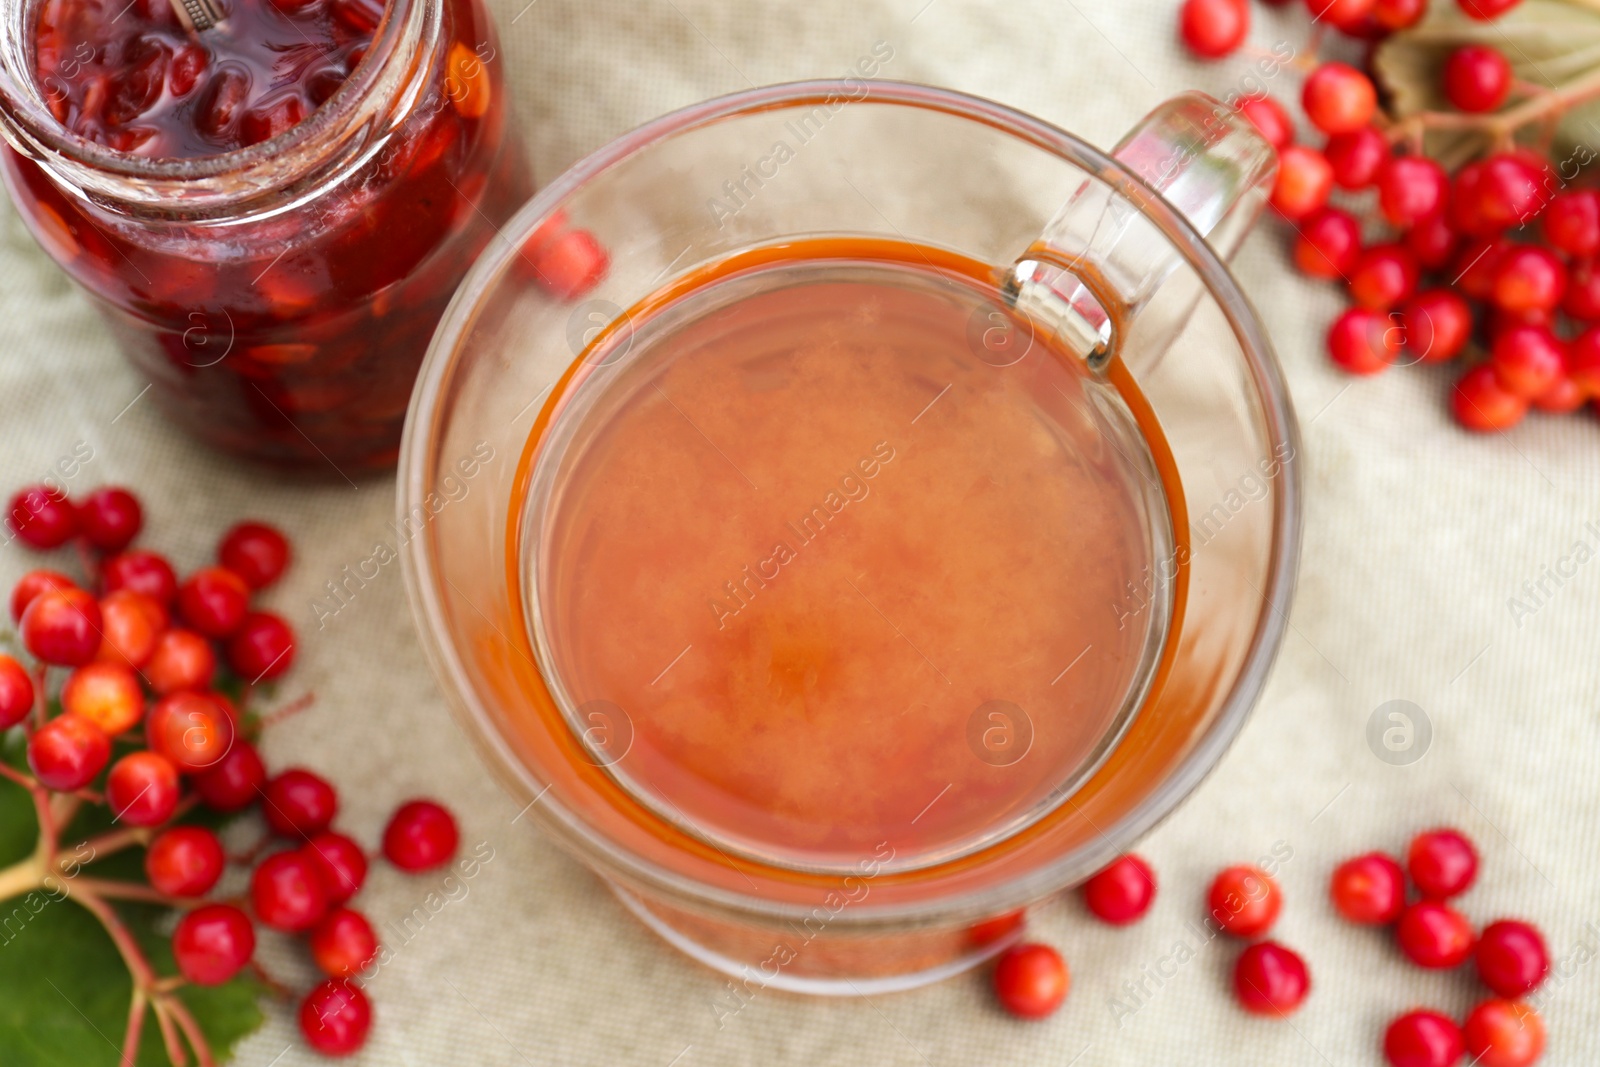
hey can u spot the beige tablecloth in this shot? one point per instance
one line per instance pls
(1417, 537)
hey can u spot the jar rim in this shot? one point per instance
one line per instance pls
(30, 127)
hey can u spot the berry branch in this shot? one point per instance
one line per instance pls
(138, 730)
(1542, 105)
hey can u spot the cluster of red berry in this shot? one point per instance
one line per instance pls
(1460, 263)
(148, 631)
(1509, 954)
(1270, 979)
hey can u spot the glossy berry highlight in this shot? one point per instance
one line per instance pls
(1031, 980)
(1244, 901)
(421, 835)
(335, 1018)
(1369, 889)
(1269, 979)
(213, 943)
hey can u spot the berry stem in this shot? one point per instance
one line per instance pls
(116, 840)
(144, 977)
(24, 780)
(21, 877)
(1547, 104)
(118, 890)
(191, 1030)
(130, 1039)
(169, 1034)
(41, 696)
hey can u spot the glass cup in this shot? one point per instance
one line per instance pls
(1109, 267)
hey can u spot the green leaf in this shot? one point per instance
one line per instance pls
(64, 992)
(1549, 43)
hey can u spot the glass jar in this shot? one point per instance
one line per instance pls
(279, 298)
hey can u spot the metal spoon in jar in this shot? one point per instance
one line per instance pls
(198, 16)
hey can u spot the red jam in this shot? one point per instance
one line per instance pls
(132, 78)
(289, 326)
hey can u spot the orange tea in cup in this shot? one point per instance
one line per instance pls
(843, 552)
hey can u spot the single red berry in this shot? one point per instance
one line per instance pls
(130, 625)
(1269, 979)
(341, 863)
(62, 627)
(1031, 980)
(143, 572)
(1442, 863)
(1480, 403)
(1562, 398)
(1583, 361)
(32, 584)
(1122, 892)
(1422, 1039)
(1503, 1033)
(213, 943)
(142, 789)
(1384, 275)
(67, 752)
(1486, 10)
(43, 516)
(1529, 278)
(1438, 324)
(234, 781)
(1582, 301)
(1514, 189)
(183, 661)
(1244, 901)
(335, 1018)
(109, 518)
(1270, 119)
(1572, 223)
(192, 730)
(1399, 14)
(213, 600)
(1338, 98)
(262, 648)
(990, 930)
(298, 803)
(1303, 184)
(421, 835)
(1357, 157)
(1432, 241)
(1466, 193)
(1411, 188)
(185, 861)
(1369, 889)
(1527, 360)
(1477, 78)
(107, 694)
(1511, 957)
(1475, 266)
(1342, 14)
(343, 943)
(569, 263)
(16, 692)
(1329, 244)
(1434, 935)
(1364, 342)
(1213, 28)
(287, 892)
(256, 552)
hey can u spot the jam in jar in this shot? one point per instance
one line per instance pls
(271, 213)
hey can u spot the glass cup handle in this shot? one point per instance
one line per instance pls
(1101, 260)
